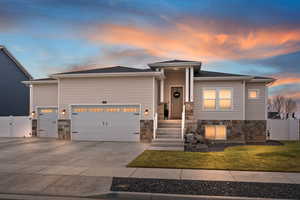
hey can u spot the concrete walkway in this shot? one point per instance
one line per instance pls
(40, 166)
(158, 173)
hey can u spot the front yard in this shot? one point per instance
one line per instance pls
(251, 158)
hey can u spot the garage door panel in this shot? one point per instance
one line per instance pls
(106, 122)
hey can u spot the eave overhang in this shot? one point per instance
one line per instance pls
(224, 78)
(123, 74)
(39, 82)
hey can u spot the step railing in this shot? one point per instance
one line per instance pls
(155, 125)
(183, 122)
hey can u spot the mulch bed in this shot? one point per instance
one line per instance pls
(217, 147)
(212, 188)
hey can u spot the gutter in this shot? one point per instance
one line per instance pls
(39, 82)
(124, 74)
(223, 78)
(270, 80)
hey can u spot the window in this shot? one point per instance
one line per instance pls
(106, 109)
(217, 99)
(215, 132)
(253, 93)
(47, 110)
(225, 99)
(209, 97)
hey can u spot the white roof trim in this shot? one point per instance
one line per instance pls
(269, 80)
(16, 61)
(175, 64)
(124, 74)
(223, 78)
(40, 82)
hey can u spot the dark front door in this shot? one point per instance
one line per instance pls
(176, 102)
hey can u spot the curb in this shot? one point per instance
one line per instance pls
(156, 196)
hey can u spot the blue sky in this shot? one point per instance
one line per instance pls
(238, 36)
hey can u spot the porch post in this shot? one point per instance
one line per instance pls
(191, 84)
(187, 84)
(162, 88)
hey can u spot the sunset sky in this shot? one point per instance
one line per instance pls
(236, 36)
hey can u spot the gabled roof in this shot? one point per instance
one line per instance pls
(15, 61)
(116, 69)
(210, 75)
(216, 74)
(44, 79)
(175, 61)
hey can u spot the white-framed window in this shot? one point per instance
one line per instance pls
(217, 98)
(215, 132)
(210, 99)
(253, 93)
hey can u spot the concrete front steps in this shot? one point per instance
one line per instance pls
(168, 136)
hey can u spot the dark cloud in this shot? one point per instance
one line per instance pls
(287, 63)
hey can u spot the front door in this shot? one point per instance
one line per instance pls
(176, 102)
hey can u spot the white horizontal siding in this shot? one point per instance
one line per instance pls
(44, 95)
(235, 114)
(114, 90)
(256, 108)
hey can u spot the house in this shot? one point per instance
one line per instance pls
(160, 103)
(15, 95)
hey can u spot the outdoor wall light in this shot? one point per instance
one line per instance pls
(104, 102)
(32, 113)
(146, 112)
(63, 111)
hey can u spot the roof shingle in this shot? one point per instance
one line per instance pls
(116, 69)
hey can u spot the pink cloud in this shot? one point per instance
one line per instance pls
(200, 41)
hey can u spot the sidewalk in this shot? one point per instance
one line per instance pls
(82, 181)
(180, 174)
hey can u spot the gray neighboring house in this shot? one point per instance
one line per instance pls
(15, 95)
(158, 104)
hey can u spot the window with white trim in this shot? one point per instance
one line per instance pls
(217, 99)
(253, 93)
(215, 132)
(209, 99)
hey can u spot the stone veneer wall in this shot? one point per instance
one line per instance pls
(34, 127)
(190, 122)
(244, 131)
(160, 111)
(64, 129)
(146, 131)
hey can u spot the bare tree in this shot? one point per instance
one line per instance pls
(290, 105)
(278, 104)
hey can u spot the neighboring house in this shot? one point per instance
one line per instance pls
(129, 104)
(15, 95)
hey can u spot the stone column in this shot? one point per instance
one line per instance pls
(146, 131)
(64, 129)
(34, 127)
(189, 110)
(190, 122)
(160, 111)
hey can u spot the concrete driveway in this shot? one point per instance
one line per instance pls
(49, 166)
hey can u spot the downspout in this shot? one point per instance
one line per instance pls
(244, 100)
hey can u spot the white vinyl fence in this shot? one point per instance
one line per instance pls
(283, 129)
(15, 126)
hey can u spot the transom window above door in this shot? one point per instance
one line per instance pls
(217, 98)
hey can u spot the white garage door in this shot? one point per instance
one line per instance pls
(106, 122)
(47, 122)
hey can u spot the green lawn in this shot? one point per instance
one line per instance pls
(252, 158)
